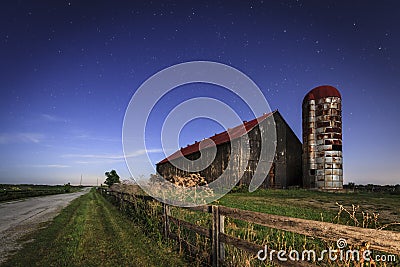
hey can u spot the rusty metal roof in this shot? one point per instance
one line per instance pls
(322, 92)
(220, 138)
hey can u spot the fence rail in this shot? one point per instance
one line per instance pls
(382, 240)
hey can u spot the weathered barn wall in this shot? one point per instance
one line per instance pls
(291, 148)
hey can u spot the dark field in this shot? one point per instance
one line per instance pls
(10, 191)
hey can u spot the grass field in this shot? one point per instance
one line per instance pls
(320, 206)
(92, 232)
(11, 192)
(311, 205)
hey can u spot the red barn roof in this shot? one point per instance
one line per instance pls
(220, 138)
(321, 92)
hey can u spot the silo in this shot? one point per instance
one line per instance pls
(322, 139)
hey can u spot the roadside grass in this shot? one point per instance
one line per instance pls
(92, 232)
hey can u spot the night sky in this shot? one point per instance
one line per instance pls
(68, 70)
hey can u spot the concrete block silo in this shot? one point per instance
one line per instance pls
(322, 139)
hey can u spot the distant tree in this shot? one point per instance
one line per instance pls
(352, 185)
(112, 178)
(67, 187)
(371, 187)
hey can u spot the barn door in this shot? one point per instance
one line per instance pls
(271, 176)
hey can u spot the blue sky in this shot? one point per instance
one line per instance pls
(69, 69)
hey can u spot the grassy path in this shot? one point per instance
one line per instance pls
(92, 232)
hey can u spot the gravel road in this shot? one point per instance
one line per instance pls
(21, 217)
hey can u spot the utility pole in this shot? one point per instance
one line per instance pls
(80, 184)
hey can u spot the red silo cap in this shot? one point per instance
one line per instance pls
(322, 92)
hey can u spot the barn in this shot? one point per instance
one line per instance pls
(286, 168)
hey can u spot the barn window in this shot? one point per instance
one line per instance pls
(337, 147)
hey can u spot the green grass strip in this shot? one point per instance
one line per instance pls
(92, 232)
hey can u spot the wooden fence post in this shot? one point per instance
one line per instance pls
(221, 244)
(166, 213)
(217, 248)
(119, 194)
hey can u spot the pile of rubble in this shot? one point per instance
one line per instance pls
(126, 186)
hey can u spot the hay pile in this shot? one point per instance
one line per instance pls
(192, 180)
(188, 190)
